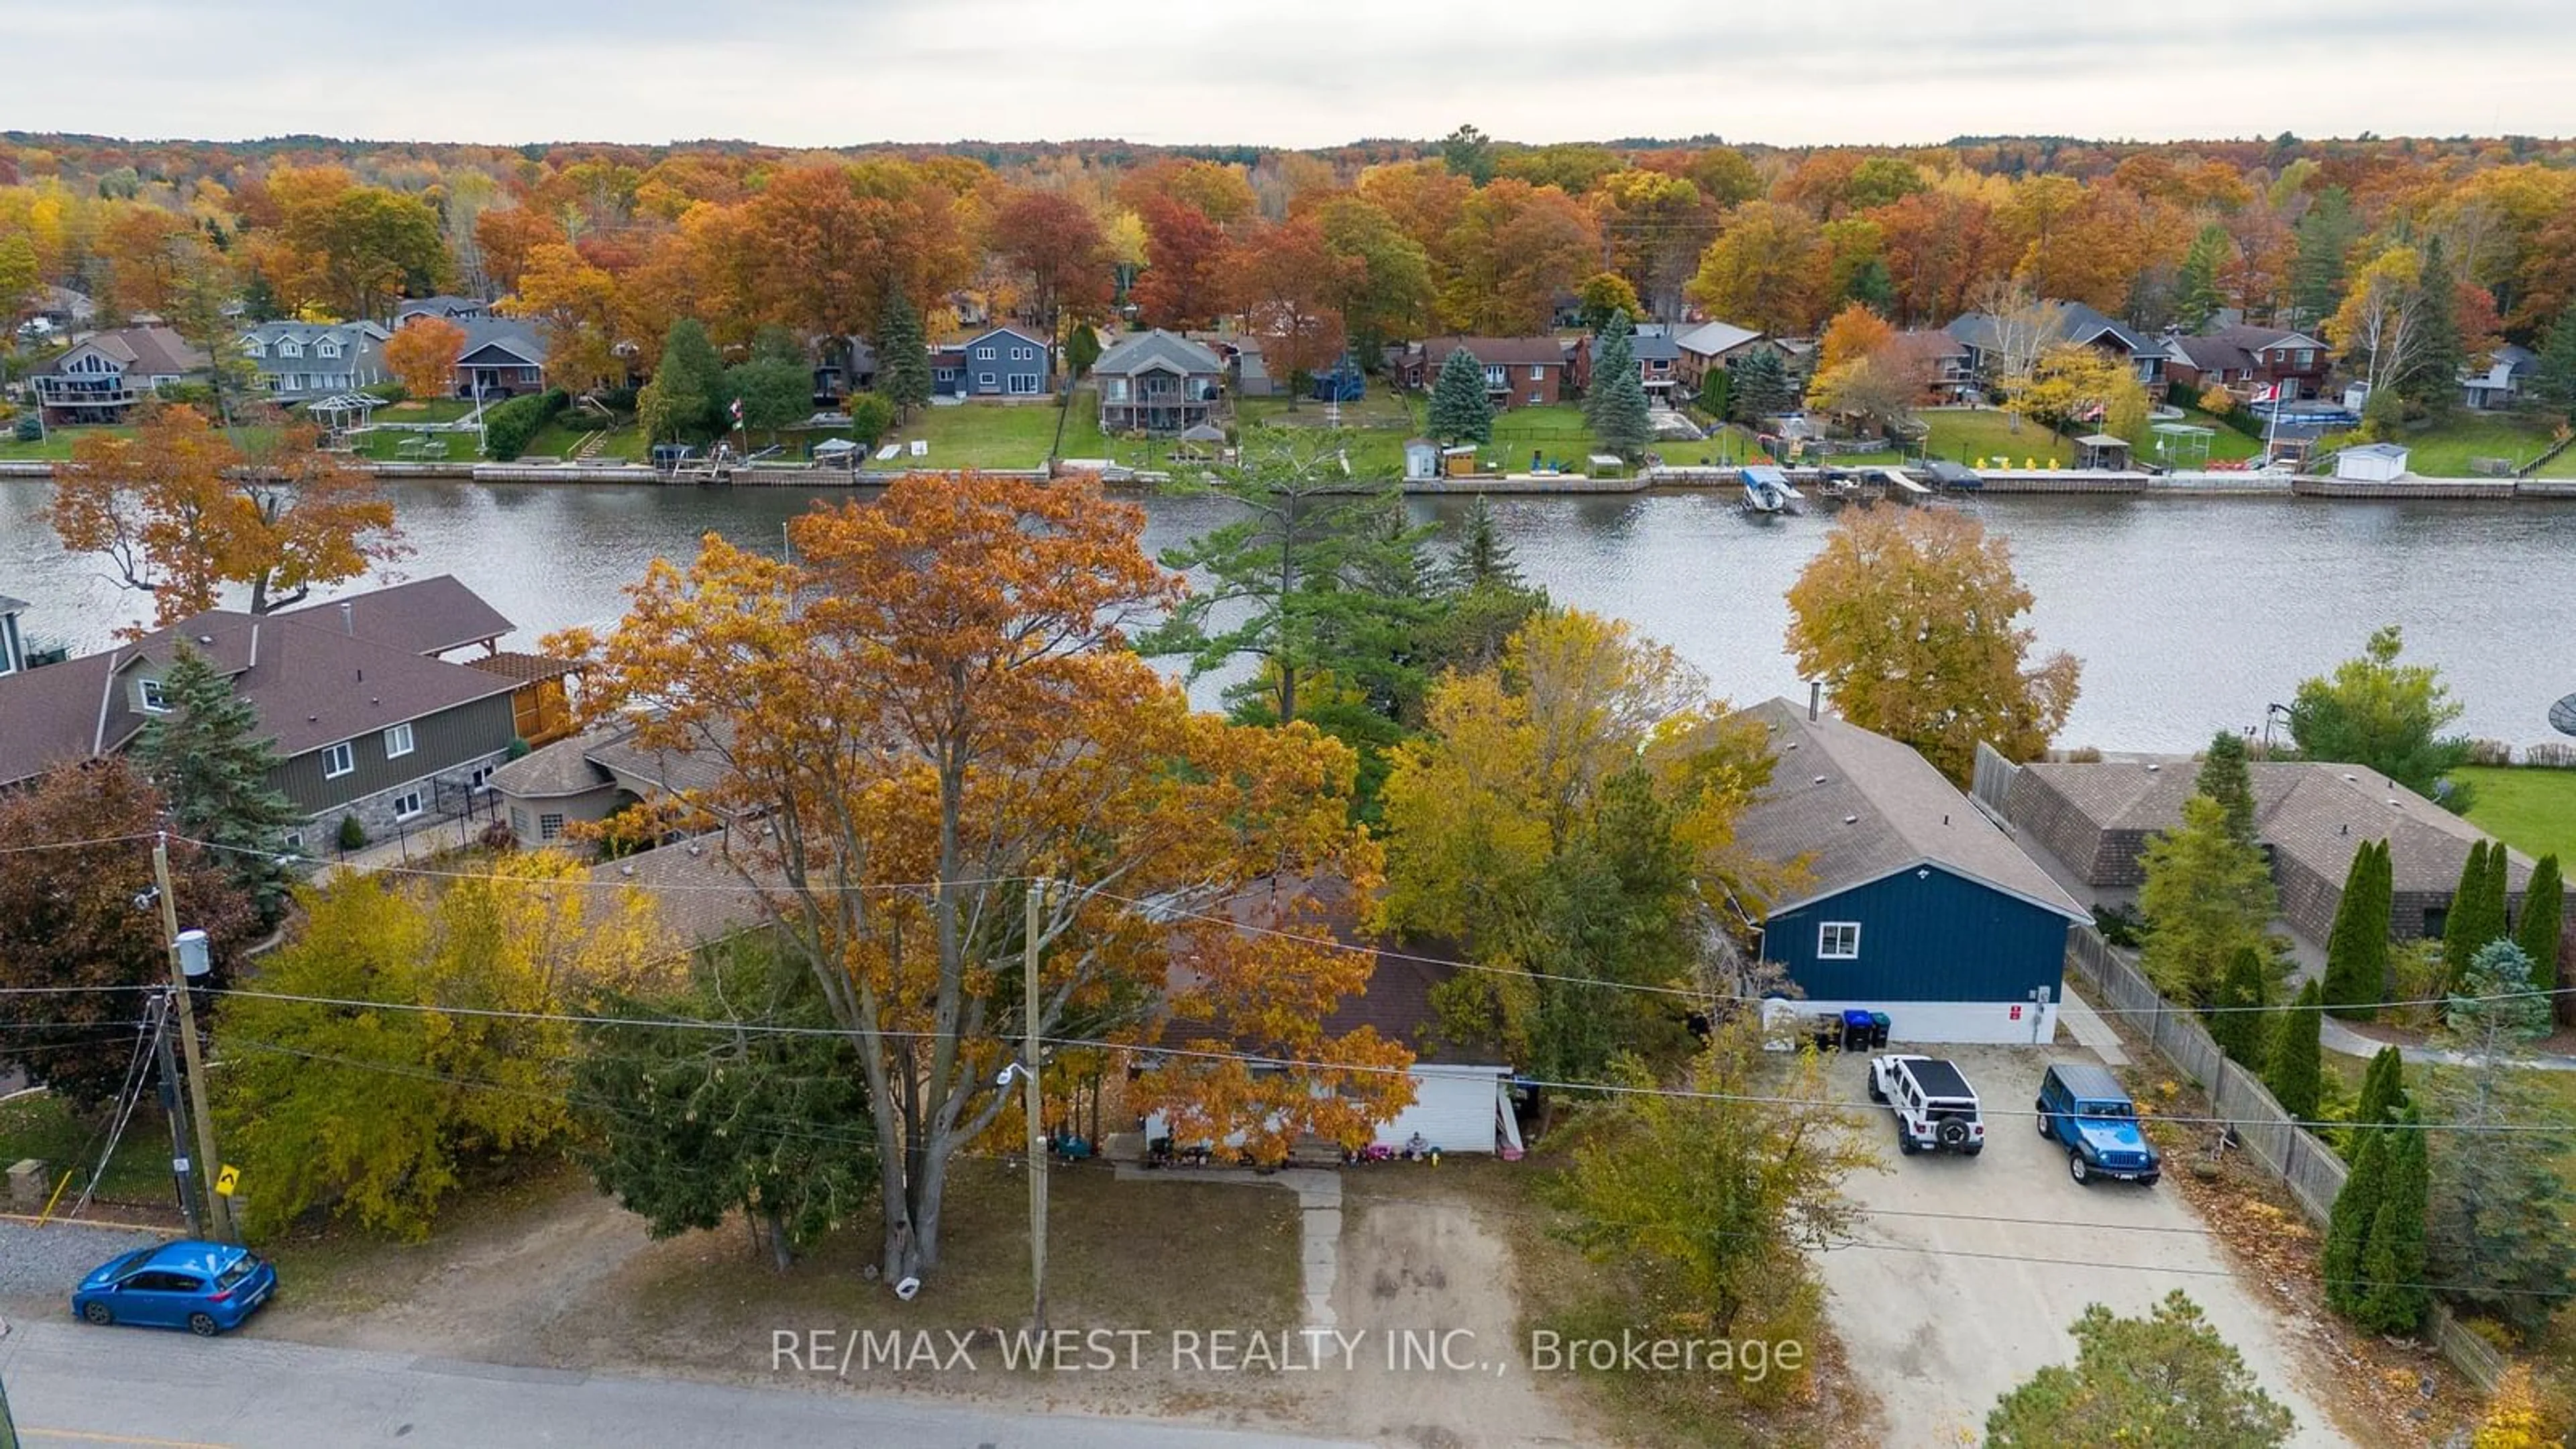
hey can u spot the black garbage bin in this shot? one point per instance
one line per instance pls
(1856, 1025)
(1877, 1030)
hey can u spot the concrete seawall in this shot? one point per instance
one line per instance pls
(2000, 483)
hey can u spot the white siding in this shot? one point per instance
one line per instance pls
(2001, 1023)
(1456, 1109)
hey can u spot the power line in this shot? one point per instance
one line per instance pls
(1251, 1058)
(773, 1127)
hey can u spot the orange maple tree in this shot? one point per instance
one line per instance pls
(934, 706)
(180, 512)
(423, 356)
(1286, 280)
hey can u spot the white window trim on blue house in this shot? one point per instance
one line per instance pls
(1838, 941)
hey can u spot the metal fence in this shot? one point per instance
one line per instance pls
(2288, 1151)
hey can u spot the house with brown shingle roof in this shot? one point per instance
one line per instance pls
(2309, 817)
(368, 721)
(587, 777)
(1519, 371)
(103, 375)
(1905, 899)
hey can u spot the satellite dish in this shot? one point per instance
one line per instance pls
(2562, 716)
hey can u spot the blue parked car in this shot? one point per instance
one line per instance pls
(204, 1288)
(2084, 1108)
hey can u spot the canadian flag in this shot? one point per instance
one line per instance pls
(2269, 392)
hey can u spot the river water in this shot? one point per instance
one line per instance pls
(2190, 614)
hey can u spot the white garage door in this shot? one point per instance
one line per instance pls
(1456, 1109)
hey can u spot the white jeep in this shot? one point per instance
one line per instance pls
(1934, 1105)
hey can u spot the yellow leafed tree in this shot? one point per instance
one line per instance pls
(1912, 618)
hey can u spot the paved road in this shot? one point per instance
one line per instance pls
(74, 1385)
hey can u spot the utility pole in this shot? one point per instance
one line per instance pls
(182, 948)
(1033, 1104)
(182, 1170)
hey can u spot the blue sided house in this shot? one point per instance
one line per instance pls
(1004, 362)
(1903, 898)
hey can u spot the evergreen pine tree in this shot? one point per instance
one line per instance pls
(212, 761)
(2237, 1023)
(2544, 907)
(2553, 377)
(2432, 380)
(2197, 296)
(1460, 410)
(1482, 557)
(2225, 778)
(2383, 1089)
(2325, 240)
(2348, 1223)
(684, 402)
(1616, 403)
(2464, 929)
(2293, 1069)
(2392, 1264)
(2357, 951)
(903, 356)
(1760, 387)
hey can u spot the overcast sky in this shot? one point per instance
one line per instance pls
(838, 72)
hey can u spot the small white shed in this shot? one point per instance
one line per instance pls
(1421, 460)
(1457, 1109)
(2371, 463)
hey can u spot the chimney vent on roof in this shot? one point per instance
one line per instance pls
(2152, 767)
(348, 619)
(205, 638)
(1815, 697)
(313, 719)
(1820, 779)
(1851, 820)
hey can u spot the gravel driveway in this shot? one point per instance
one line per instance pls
(1943, 1334)
(39, 1266)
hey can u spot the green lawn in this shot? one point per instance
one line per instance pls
(989, 435)
(425, 410)
(386, 446)
(42, 1127)
(2444, 452)
(2532, 810)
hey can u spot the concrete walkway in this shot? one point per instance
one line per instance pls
(2334, 1036)
(1319, 1235)
(2089, 1029)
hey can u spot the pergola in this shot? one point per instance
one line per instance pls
(335, 411)
(2182, 443)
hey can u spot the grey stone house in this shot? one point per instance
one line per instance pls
(370, 720)
(2309, 817)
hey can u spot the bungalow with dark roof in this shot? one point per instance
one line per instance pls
(2063, 324)
(1905, 899)
(1519, 371)
(368, 719)
(502, 358)
(2310, 818)
(453, 309)
(1158, 382)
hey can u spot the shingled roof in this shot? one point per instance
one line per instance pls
(2317, 813)
(424, 616)
(312, 681)
(1856, 807)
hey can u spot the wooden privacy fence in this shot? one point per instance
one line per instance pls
(2288, 1151)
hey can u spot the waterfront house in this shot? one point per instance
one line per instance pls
(503, 357)
(2496, 382)
(844, 365)
(1519, 371)
(297, 361)
(2246, 360)
(1157, 382)
(2093, 823)
(1904, 897)
(368, 717)
(2064, 324)
(102, 376)
(1658, 352)
(2372, 463)
(1938, 361)
(1004, 362)
(1713, 346)
(452, 309)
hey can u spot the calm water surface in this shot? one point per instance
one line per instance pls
(2189, 614)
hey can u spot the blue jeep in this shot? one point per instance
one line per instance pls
(2084, 1107)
